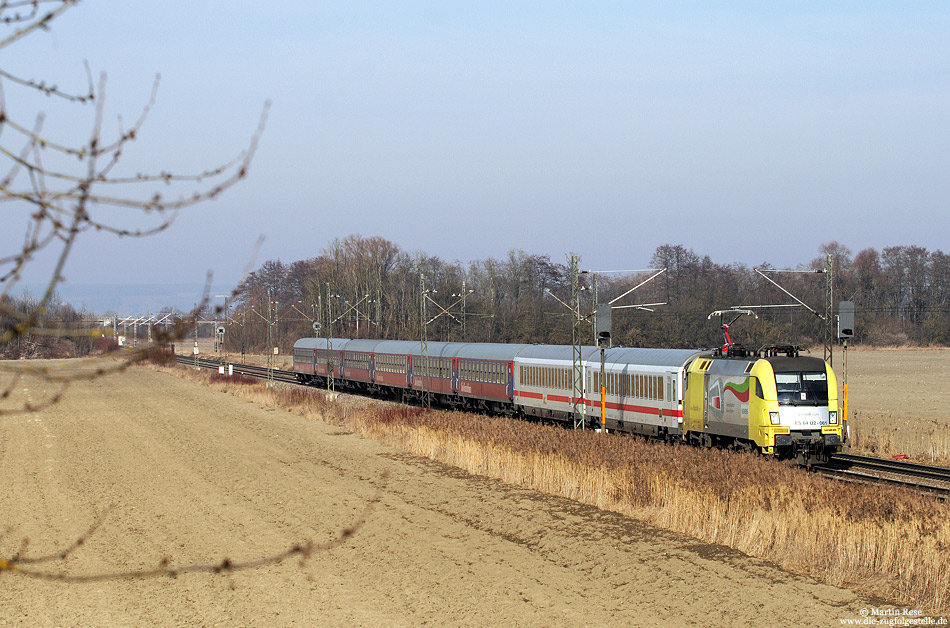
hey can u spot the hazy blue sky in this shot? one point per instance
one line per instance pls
(750, 132)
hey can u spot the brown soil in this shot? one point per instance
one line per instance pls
(197, 476)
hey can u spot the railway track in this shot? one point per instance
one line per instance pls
(868, 470)
(251, 370)
(846, 467)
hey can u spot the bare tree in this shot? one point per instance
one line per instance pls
(56, 191)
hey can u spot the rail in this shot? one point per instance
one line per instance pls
(867, 469)
(250, 370)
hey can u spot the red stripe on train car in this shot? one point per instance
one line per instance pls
(529, 395)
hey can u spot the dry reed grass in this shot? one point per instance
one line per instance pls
(926, 440)
(883, 541)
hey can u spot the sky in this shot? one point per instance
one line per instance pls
(747, 131)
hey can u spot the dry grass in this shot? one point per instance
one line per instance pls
(883, 541)
(926, 440)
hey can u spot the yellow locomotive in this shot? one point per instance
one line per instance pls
(773, 400)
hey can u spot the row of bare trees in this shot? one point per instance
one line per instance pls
(370, 288)
(58, 330)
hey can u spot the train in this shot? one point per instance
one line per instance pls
(772, 400)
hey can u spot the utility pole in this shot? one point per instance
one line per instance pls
(271, 348)
(424, 341)
(464, 295)
(196, 336)
(577, 361)
(330, 383)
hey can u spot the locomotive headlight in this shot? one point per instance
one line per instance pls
(833, 417)
(773, 418)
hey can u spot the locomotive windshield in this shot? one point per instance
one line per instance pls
(802, 388)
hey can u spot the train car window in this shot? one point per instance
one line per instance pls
(758, 388)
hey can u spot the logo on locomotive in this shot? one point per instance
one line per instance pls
(728, 397)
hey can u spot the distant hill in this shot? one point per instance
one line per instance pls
(126, 299)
